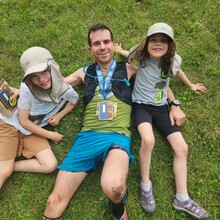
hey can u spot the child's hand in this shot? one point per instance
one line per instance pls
(56, 137)
(176, 116)
(15, 92)
(54, 120)
(117, 47)
(197, 87)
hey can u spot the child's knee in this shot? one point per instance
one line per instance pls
(6, 171)
(147, 143)
(50, 166)
(182, 150)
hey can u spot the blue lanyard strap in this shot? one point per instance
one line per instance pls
(112, 79)
(105, 82)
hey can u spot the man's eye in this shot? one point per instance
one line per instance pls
(96, 43)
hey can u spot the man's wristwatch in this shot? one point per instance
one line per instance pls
(174, 102)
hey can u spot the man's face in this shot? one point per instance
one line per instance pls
(101, 46)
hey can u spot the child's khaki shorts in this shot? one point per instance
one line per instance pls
(13, 143)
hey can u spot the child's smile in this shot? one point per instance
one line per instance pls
(157, 46)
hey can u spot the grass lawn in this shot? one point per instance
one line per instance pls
(61, 27)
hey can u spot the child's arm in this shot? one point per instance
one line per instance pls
(55, 119)
(118, 49)
(176, 115)
(195, 87)
(23, 116)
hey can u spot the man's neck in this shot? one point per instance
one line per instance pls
(105, 67)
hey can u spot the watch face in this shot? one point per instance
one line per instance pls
(176, 102)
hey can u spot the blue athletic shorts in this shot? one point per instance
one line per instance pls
(90, 149)
(156, 115)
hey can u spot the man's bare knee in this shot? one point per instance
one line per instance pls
(117, 194)
(54, 198)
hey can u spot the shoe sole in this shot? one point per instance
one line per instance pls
(178, 209)
(148, 211)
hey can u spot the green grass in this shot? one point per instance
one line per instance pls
(61, 27)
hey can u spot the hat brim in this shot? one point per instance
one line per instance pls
(161, 32)
(134, 51)
(35, 69)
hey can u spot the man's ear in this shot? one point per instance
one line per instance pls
(89, 49)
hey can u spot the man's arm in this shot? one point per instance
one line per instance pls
(177, 116)
(131, 70)
(75, 78)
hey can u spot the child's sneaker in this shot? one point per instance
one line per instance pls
(191, 207)
(147, 200)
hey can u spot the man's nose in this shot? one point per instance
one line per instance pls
(102, 45)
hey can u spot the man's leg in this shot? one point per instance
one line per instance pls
(6, 169)
(113, 180)
(65, 186)
(44, 162)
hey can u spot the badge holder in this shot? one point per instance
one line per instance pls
(105, 110)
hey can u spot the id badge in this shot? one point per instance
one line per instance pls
(105, 110)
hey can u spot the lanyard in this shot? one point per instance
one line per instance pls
(105, 83)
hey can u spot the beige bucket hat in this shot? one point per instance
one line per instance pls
(156, 28)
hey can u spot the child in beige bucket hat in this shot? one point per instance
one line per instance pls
(157, 63)
(42, 97)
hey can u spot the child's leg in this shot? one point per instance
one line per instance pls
(44, 162)
(147, 145)
(41, 158)
(180, 149)
(181, 201)
(6, 169)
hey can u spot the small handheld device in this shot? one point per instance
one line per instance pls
(7, 101)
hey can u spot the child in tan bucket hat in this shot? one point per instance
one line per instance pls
(157, 63)
(42, 97)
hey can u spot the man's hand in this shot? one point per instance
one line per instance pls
(177, 116)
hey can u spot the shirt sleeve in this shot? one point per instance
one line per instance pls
(71, 95)
(175, 66)
(24, 100)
